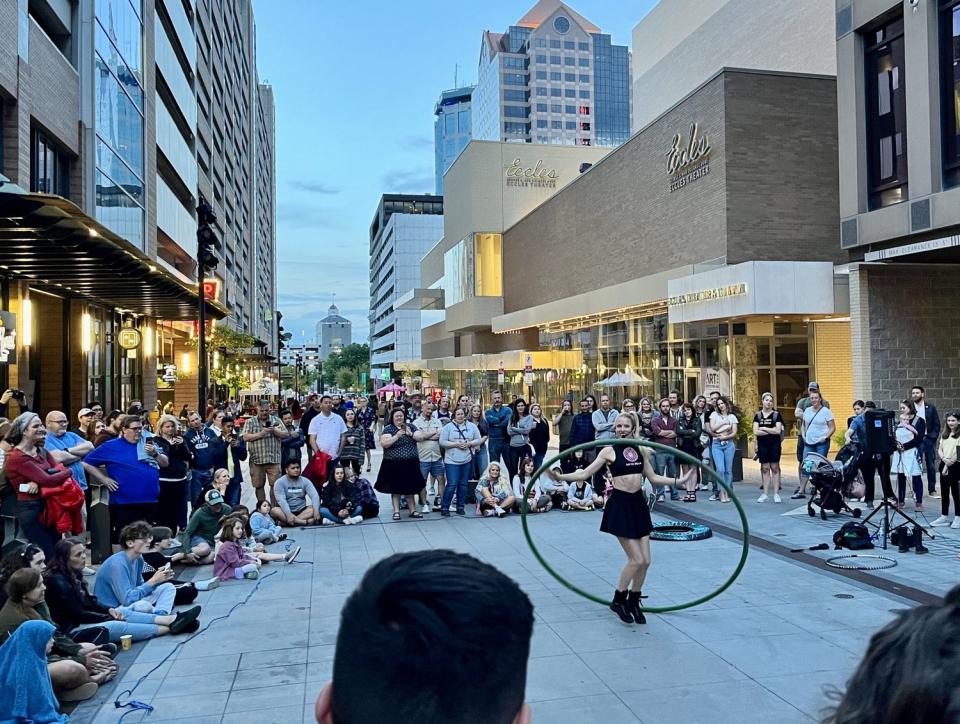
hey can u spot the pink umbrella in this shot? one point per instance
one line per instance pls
(392, 387)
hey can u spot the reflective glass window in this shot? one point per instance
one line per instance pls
(950, 38)
(569, 61)
(450, 123)
(555, 59)
(570, 93)
(541, 75)
(886, 114)
(108, 56)
(118, 212)
(109, 163)
(555, 75)
(464, 121)
(119, 122)
(555, 92)
(555, 44)
(541, 107)
(584, 62)
(584, 46)
(556, 108)
(125, 30)
(541, 58)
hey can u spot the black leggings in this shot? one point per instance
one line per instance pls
(29, 513)
(950, 485)
(902, 488)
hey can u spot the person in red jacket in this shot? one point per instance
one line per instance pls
(30, 470)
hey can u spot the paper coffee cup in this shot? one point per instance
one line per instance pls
(126, 642)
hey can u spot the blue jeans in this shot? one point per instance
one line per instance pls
(666, 464)
(481, 460)
(499, 448)
(141, 626)
(197, 481)
(928, 455)
(538, 460)
(457, 476)
(329, 515)
(722, 454)
(821, 448)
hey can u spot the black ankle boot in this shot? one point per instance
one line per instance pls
(904, 539)
(633, 607)
(619, 606)
(918, 540)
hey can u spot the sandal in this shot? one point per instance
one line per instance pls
(416, 514)
(690, 498)
(396, 516)
(368, 468)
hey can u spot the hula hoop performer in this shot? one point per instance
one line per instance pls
(626, 514)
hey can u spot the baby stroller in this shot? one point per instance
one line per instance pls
(834, 481)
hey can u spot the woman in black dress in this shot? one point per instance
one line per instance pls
(768, 431)
(400, 468)
(627, 514)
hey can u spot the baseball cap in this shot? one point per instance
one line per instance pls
(213, 497)
(84, 411)
(135, 410)
(814, 386)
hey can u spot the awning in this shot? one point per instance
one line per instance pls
(53, 244)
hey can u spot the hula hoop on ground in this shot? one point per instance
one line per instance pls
(688, 460)
(680, 530)
(852, 562)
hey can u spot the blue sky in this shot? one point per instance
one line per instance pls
(355, 84)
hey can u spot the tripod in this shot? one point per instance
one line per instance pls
(889, 511)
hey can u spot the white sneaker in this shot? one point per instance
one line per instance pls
(500, 511)
(326, 521)
(356, 520)
(426, 508)
(488, 514)
(763, 498)
(347, 521)
(942, 521)
(776, 498)
(956, 523)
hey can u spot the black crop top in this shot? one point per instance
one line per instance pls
(628, 461)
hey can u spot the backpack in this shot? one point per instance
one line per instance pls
(853, 536)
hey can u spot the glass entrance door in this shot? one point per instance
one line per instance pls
(691, 386)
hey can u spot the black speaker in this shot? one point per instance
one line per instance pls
(880, 432)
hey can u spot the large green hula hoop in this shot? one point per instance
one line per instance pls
(687, 459)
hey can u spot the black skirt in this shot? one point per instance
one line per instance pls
(626, 515)
(769, 449)
(400, 477)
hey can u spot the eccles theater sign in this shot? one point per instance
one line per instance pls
(688, 159)
(536, 176)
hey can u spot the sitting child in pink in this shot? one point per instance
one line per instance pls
(233, 560)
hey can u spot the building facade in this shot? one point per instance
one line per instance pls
(554, 77)
(100, 124)
(333, 332)
(404, 228)
(898, 87)
(699, 255)
(680, 44)
(451, 130)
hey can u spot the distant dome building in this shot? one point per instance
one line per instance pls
(333, 332)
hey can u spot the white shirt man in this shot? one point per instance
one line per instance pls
(327, 431)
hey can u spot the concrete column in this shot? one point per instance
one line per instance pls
(861, 351)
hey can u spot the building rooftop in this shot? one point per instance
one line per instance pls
(545, 8)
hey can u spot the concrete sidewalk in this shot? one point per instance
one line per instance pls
(761, 652)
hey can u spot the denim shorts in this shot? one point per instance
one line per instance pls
(197, 540)
(434, 468)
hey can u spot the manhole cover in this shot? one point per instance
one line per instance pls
(843, 595)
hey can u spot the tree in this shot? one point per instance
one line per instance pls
(346, 379)
(354, 358)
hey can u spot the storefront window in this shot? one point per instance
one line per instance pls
(885, 89)
(489, 265)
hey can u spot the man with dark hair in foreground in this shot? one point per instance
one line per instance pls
(421, 612)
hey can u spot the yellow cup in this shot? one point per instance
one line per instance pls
(126, 642)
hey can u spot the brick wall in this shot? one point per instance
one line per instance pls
(832, 365)
(908, 317)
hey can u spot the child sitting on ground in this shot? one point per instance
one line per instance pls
(537, 500)
(579, 496)
(233, 560)
(262, 526)
(158, 553)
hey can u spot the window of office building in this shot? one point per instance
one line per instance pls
(450, 123)
(464, 121)
(570, 109)
(571, 125)
(557, 125)
(556, 108)
(570, 93)
(584, 62)
(569, 44)
(541, 123)
(570, 77)
(555, 92)
(584, 78)
(542, 107)
(541, 42)
(950, 44)
(541, 91)
(49, 168)
(515, 79)
(555, 75)
(541, 75)
(555, 44)
(555, 60)
(886, 114)
(541, 58)
(518, 63)
(515, 95)
(584, 46)
(569, 61)
(585, 94)
(515, 112)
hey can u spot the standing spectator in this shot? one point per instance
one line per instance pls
(367, 417)
(292, 446)
(30, 468)
(354, 439)
(949, 472)
(768, 431)
(689, 429)
(298, 501)
(481, 458)
(927, 412)
(338, 407)
(172, 504)
(629, 405)
(459, 439)
(702, 410)
(593, 403)
(498, 417)
(69, 448)
(519, 429)
(604, 420)
(664, 428)
(327, 432)
(870, 465)
(676, 401)
(400, 467)
(645, 418)
(112, 429)
(802, 404)
(314, 405)
(906, 458)
(199, 440)
(87, 426)
(818, 426)
(426, 433)
(562, 422)
(723, 428)
(444, 413)
(135, 464)
(226, 453)
(539, 435)
(263, 434)
(184, 415)
(581, 429)
(413, 406)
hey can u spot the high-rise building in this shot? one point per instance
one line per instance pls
(404, 228)
(451, 130)
(125, 111)
(554, 77)
(334, 332)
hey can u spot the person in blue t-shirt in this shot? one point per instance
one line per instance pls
(134, 462)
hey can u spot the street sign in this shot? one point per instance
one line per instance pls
(528, 369)
(128, 338)
(500, 373)
(363, 380)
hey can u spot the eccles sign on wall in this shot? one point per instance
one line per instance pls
(688, 160)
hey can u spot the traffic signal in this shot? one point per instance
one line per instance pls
(207, 242)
